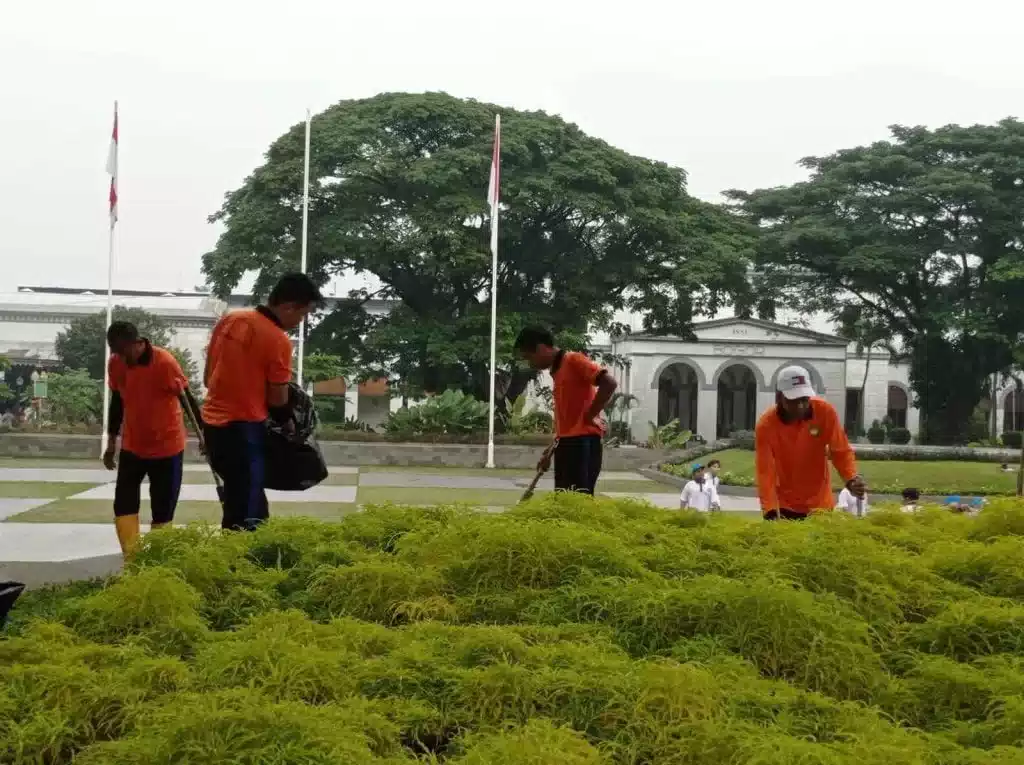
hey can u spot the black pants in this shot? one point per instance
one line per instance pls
(164, 485)
(578, 463)
(236, 451)
(787, 515)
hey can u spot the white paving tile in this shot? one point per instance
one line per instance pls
(57, 475)
(671, 501)
(42, 542)
(207, 492)
(202, 467)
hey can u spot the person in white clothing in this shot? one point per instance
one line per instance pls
(698, 493)
(854, 504)
(911, 500)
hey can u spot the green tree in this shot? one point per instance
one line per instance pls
(317, 367)
(74, 398)
(83, 345)
(6, 394)
(921, 237)
(398, 186)
(188, 365)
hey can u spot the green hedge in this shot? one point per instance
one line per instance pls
(568, 631)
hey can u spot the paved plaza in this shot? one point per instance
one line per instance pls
(60, 512)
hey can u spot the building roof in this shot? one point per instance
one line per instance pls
(771, 326)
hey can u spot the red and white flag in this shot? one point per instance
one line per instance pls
(494, 186)
(112, 170)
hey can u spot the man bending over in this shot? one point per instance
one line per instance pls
(146, 383)
(581, 391)
(794, 442)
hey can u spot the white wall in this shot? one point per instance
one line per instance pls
(881, 374)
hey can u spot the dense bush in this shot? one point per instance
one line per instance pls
(876, 433)
(899, 436)
(450, 412)
(742, 439)
(568, 631)
(1012, 439)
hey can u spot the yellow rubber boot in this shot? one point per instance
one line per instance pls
(127, 527)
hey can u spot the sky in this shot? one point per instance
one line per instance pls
(736, 92)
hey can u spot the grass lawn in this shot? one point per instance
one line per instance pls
(41, 489)
(411, 495)
(437, 470)
(891, 477)
(100, 511)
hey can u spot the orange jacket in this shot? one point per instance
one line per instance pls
(791, 460)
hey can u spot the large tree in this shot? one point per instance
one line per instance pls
(918, 240)
(397, 191)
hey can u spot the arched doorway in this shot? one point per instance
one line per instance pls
(897, 407)
(737, 399)
(1013, 411)
(678, 386)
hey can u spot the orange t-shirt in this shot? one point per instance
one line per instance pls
(248, 351)
(792, 459)
(153, 427)
(575, 380)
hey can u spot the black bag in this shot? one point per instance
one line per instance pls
(9, 592)
(294, 461)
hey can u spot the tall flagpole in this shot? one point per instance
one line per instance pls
(305, 237)
(494, 195)
(112, 170)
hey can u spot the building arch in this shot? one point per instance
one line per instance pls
(742, 362)
(1013, 409)
(679, 387)
(816, 382)
(897, 406)
(672, 361)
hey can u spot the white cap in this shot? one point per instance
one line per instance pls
(794, 382)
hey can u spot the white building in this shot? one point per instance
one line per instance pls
(714, 385)
(722, 381)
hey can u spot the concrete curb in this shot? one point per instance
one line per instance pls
(40, 574)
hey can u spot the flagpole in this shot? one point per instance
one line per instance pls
(305, 237)
(112, 169)
(495, 164)
(106, 350)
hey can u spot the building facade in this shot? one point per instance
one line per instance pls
(721, 381)
(715, 385)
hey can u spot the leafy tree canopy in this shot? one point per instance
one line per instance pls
(74, 398)
(917, 240)
(398, 187)
(83, 345)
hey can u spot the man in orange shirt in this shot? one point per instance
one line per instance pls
(793, 443)
(581, 391)
(146, 384)
(248, 368)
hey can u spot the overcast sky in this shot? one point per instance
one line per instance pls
(735, 92)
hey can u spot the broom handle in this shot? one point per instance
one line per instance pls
(192, 415)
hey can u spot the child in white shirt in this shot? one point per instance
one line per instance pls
(850, 503)
(911, 498)
(699, 493)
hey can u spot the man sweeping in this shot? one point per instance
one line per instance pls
(794, 442)
(582, 389)
(146, 383)
(248, 368)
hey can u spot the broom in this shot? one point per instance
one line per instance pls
(193, 417)
(540, 471)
